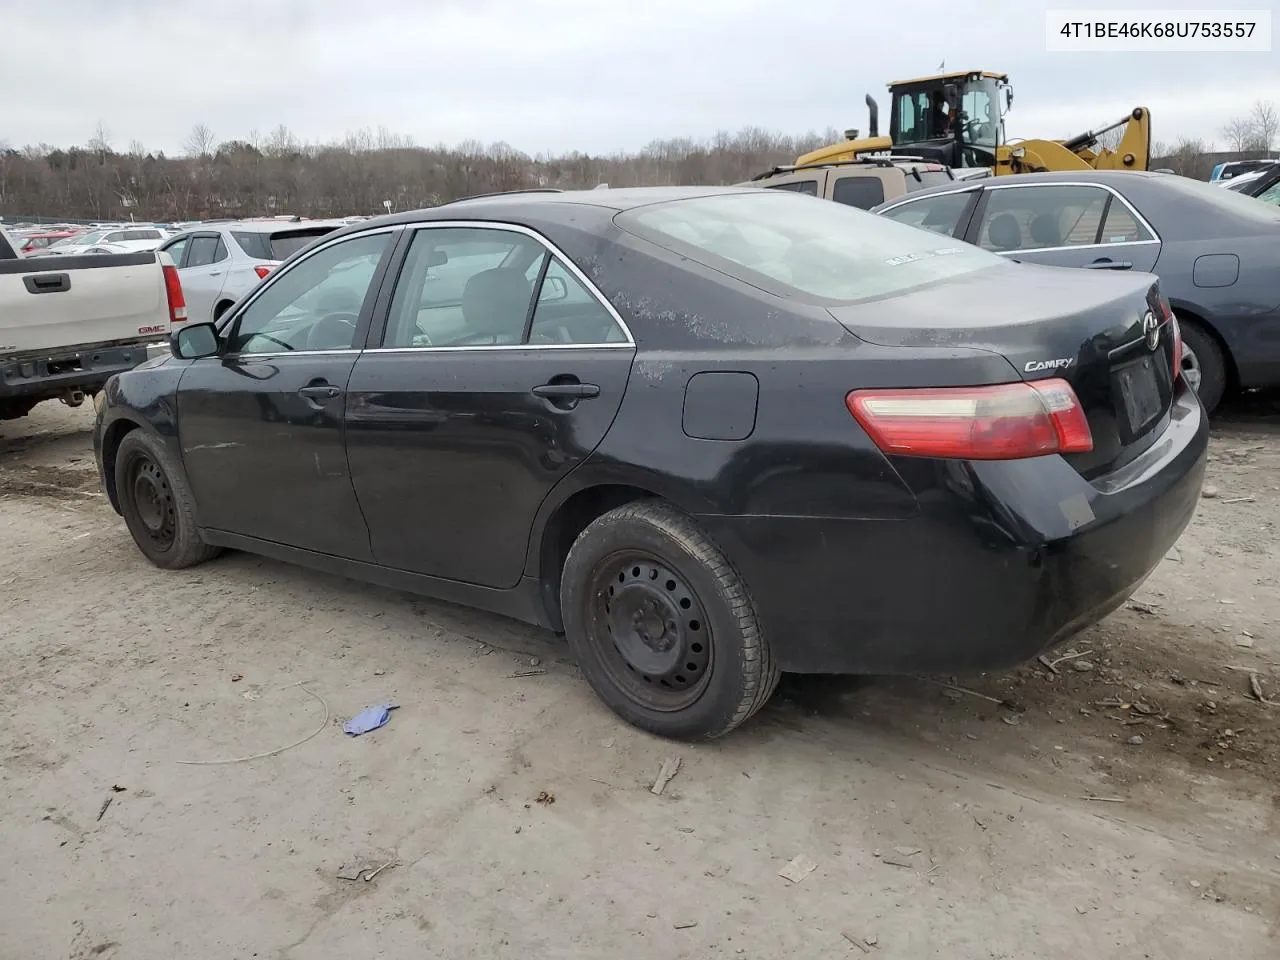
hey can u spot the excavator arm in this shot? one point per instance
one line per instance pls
(1082, 152)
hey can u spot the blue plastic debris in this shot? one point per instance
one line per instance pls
(369, 719)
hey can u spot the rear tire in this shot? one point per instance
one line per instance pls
(157, 504)
(662, 625)
(1203, 365)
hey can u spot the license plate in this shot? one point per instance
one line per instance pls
(1139, 393)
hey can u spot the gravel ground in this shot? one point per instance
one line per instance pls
(1123, 804)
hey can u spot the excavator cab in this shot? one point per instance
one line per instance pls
(956, 119)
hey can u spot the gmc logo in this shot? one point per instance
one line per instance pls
(146, 330)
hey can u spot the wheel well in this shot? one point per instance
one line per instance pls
(562, 529)
(1233, 376)
(221, 307)
(110, 447)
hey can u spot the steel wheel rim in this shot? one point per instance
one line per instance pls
(153, 502)
(650, 629)
(1191, 371)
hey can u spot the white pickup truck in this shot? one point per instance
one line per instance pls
(68, 323)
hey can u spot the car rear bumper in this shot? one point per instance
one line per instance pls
(62, 371)
(1003, 560)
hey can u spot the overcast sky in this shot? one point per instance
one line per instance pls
(559, 75)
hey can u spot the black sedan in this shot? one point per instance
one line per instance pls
(709, 434)
(1217, 253)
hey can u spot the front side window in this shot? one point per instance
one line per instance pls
(937, 214)
(464, 286)
(313, 305)
(1035, 218)
(176, 249)
(791, 247)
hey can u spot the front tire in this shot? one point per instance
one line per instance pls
(157, 504)
(662, 625)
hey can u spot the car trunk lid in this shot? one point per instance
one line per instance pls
(1108, 335)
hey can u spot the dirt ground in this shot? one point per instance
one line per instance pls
(1124, 804)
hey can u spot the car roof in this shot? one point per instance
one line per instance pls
(1113, 178)
(610, 198)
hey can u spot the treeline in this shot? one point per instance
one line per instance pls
(280, 175)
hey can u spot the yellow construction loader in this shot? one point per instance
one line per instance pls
(957, 120)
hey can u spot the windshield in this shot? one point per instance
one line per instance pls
(790, 244)
(922, 115)
(84, 240)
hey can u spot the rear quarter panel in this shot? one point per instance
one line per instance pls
(1245, 313)
(805, 455)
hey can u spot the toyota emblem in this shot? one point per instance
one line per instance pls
(1151, 330)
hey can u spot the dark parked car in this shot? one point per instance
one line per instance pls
(709, 434)
(1217, 254)
(1262, 185)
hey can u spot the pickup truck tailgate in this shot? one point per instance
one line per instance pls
(50, 302)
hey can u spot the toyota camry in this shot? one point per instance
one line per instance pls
(708, 434)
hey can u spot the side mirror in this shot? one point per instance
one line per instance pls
(553, 289)
(194, 341)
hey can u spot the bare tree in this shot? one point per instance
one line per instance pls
(1239, 132)
(199, 142)
(1266, 124)
(100, 142)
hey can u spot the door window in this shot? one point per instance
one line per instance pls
(464, 286)
(203, 250)
(567, 312)
(1035, 218)
(313, 305)
(176, 249)
(1271, 194)
(220, 253)
(939, 214)
(861, 192)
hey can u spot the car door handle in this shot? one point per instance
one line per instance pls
(320, 391)
(567, 391)
(1109, 265)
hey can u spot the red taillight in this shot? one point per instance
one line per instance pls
(1005, 421)
(173, 291)
(1177, 344)
(261, 269)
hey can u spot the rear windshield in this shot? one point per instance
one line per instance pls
(276, 246)
(1226, 200)
(279, 245)
(792, 245)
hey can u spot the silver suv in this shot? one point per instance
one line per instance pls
(219, 262)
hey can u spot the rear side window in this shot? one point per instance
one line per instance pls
(825, 251)
(255, 245)
(861, 192)
(808, 187)
(1034, 218)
